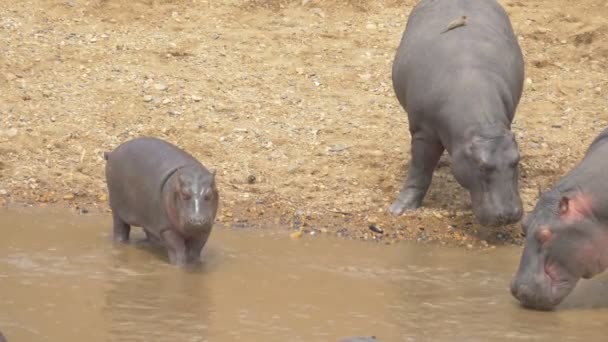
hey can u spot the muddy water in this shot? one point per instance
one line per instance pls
(61, 279)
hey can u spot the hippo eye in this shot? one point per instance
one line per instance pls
(185, 195)
(208, 195)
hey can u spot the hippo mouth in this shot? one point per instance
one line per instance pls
(560, 284)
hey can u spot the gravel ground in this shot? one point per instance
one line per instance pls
(290, 101)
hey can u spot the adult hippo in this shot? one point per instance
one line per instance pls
(458, 73)
(566, 233)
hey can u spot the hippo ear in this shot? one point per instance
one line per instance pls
(181, 182)
(544, 235)
(564, 205)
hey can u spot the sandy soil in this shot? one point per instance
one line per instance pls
(291, 102)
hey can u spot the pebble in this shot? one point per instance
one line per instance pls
(11, 132)
(148, 98)
(160, 86)
(337, 148)
(371, 26)
(196, 98)
(3, 192)
(166, 101)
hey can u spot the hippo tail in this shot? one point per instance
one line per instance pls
(106, 155)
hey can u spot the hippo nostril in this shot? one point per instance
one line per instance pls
(195, 222)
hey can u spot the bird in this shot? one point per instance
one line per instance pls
(456, 23)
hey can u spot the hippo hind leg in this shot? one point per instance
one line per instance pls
(426, 151)
(121, 229)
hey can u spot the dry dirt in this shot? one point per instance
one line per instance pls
(296, 94)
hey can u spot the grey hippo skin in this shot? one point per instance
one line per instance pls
(460, 90)
(157, 186)
(566, 233)
(361, 339)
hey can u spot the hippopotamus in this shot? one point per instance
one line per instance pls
(566, 233)
(458, 73)
(155, 185)
(361, 339)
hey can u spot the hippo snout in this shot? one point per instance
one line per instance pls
(533, 295)
(195, 222)
(510, 215)
(489, 217)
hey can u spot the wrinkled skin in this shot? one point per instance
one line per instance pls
(566, 233)
(157, 186)
(460, 90)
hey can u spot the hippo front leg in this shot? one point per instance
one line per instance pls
(176, 247)
(426, 151)
(121, 229)
(194, 246)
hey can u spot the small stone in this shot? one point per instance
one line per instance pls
(160, 86)
(250, 179)
(148, 98)
(337, 148)
(196, 98)
(3, 192)
(93, 40)
(166, 101)
(300, 71)
(46, 93)
(68, 197)
(296, 235)
(371, 26)
(11, 132)
(528, 80)
(26, 97)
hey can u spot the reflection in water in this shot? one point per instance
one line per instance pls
(145, 306)
(62, 279)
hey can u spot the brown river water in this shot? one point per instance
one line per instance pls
(62, 279)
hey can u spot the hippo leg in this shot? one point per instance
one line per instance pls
(194, 246)
(176, 247)
(426, 151)
(151, 237)
(121, 229)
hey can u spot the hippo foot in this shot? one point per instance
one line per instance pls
(120, 239)
(400, 206)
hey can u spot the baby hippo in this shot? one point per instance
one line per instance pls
(157, 186)
(566, 233)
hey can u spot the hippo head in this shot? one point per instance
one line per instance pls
(487, 166)
(564, 243)
(191, 199)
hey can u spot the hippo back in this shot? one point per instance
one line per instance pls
(429, 62)
(136, 172)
